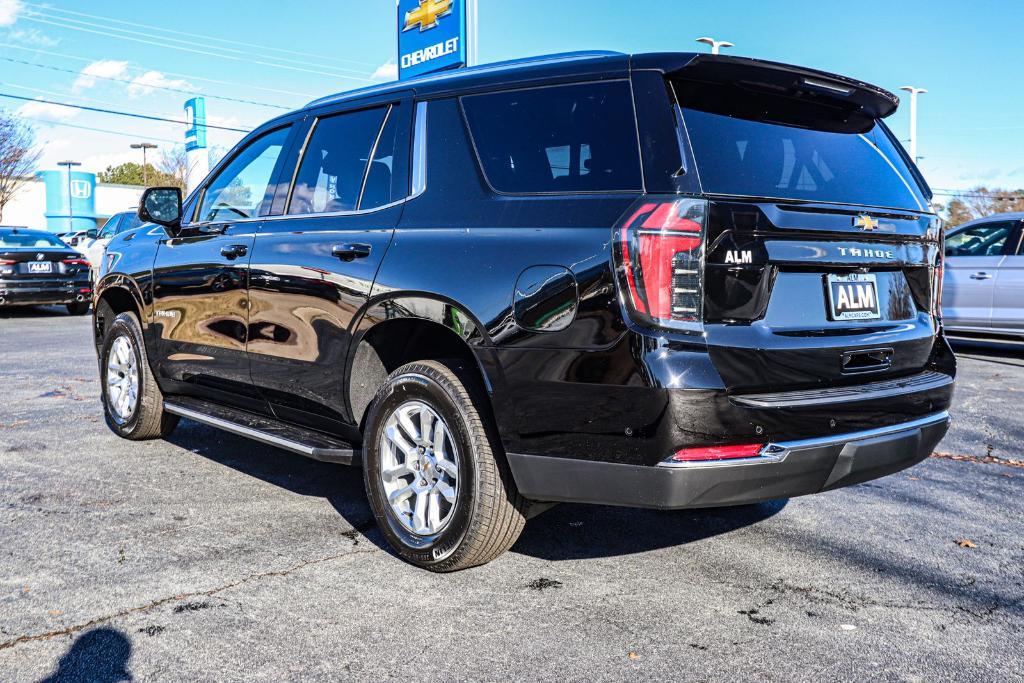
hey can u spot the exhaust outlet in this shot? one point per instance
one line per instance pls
(80, 297)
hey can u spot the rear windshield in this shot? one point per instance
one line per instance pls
(29, 240)
(737, 156)
(559, 139)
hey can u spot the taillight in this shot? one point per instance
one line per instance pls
(75, 262)
(660, 256)
(6, 262)
(940, 271)
(711, 453)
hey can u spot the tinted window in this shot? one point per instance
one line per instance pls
(380, 188)
(239, 189)
(578, 138)
(980, 240)
(333, 168)
(110, 227)
(753, 158)
(28, 240)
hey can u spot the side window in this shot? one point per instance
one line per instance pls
(239, 189)
(981, 240)
(130, 221)
(575, 138)
(336, 169)
(110, 228)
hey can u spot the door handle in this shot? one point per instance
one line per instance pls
(981, 276)
(233, 251)
(350, 252)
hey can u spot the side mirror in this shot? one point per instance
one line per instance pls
(161, 205)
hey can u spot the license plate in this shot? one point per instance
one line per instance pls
(853, 297)
(40, 267)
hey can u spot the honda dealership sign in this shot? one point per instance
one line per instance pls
(431, 36)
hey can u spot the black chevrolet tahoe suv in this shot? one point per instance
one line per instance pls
(658, 280)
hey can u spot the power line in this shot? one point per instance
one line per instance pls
(118, 113)
(135, 32)
(91, 60)
(199, 35)
(154, 43)
(100, 130)
(143, 85)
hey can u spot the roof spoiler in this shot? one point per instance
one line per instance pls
(779, 79)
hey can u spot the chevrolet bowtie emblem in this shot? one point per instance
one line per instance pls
(865, 223)
(426, 15)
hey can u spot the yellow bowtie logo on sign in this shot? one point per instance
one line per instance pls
(426, 15)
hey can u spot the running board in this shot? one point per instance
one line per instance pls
(265, 430)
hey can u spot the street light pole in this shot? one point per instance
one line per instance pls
(914, 92)
(716, 45)
(143, 146)
(71, 201)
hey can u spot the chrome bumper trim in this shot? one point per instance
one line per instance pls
(925, 381)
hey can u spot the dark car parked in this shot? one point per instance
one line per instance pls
(37, 268)
(665, 280)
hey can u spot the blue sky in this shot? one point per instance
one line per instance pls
(968, 55)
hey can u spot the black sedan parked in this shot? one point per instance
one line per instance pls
(36, 268)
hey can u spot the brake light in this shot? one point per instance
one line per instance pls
(6, 262)
(940, 271)
(75, 262)
(704, 453)
(661, 260)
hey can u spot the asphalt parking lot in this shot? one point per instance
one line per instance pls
(209, 557)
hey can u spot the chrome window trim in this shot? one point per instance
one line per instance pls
(419, 151)
(777, 452)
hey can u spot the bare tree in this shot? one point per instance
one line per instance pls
(18, 157)
(982, 201)
(174, 163)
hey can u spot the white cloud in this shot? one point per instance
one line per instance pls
(32, 36)
(45, 110)
(104, 68)
(9, 11)
(149, 81)
(388, 71)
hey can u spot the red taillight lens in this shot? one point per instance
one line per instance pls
(75, 262)
(751, 450)
(6, 262)
(661, 259)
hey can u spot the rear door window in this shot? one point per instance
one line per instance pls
(337, 170)
(559, 139)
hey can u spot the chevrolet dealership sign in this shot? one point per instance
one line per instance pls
(431, 36)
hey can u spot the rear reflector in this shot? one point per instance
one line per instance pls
(660, 255)
(718, 453)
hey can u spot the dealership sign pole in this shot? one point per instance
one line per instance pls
(433, 35)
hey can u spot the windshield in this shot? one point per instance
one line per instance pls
(29, 240)
(758, 159)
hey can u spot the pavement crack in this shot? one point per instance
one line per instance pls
(76, 628)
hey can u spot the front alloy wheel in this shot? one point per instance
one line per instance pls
(122, 379)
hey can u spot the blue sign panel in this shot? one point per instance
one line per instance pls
(195, 124)
(431, 36)
(70, 200)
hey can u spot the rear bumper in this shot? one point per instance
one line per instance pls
(784, 470)
(21, 294)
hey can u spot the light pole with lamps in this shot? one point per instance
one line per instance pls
(716, 45)
(71, 200)
(914, 92)
(143, 146)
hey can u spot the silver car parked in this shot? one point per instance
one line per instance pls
(983, 287)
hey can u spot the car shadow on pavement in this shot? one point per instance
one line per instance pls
(99, 656)
(565, 532)
(16, 312)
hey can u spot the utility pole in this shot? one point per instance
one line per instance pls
(71, 200)
(716, 45)
(143, 146)
(914, 92)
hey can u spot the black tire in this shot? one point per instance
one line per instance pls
(78, 308)
(488, 513)
(148, 420)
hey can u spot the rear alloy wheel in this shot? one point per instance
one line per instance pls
(132, 401)
(78, 308)
(439, 486)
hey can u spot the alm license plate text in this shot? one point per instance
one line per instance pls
(853, 297)
(40, 267)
